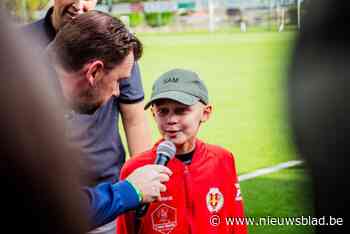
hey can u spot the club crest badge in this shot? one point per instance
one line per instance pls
(215, 200)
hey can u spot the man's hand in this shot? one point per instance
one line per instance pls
(148, 179)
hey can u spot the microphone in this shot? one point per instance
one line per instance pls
(166, 150)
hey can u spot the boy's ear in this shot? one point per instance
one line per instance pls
(152, 110)
(207, 110)
(94, 72)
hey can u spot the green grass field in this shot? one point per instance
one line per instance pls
(246, 75)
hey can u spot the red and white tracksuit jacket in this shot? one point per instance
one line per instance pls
(199, 196)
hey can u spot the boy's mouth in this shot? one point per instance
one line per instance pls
(172, 133)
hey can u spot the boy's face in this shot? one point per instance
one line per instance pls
(180, 123)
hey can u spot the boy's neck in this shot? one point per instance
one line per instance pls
(186, 157)
(186, 148)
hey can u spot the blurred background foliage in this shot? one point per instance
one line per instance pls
(24, 9)
(270, 15)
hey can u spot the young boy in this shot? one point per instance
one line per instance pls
(203, 190)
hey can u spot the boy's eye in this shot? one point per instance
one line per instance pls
(162, 111)
(180, 111)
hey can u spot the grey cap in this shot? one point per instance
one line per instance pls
(180, 85)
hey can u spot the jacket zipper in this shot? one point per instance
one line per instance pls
(188, 201)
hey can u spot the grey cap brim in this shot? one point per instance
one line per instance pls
(181, 97)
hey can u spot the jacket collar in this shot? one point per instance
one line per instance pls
(199, 155)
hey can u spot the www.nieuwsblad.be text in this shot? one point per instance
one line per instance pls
(216, 220)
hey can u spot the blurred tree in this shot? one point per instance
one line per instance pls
(129, 1)
(23, 9)
(13, 6)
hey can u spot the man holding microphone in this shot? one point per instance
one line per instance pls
(91, 54)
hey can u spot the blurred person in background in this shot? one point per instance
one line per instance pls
(44, 30)
(319, 105)
(40, 185)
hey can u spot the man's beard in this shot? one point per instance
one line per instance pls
(87, 102)
(86, 108)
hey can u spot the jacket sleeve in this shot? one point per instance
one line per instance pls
(126, 222)
(238, 208)
(107, 201)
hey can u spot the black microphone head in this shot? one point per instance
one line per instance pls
(166, 148)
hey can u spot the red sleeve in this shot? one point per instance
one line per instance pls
(238, 207)
(126, 223)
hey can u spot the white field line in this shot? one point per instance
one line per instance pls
(268, 170)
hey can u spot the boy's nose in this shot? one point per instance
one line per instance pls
(172, 119)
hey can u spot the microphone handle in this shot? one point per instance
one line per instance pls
(160, 160)
(141, 210)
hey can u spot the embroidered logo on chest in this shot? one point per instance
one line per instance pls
(164, 219)
(215, 200)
